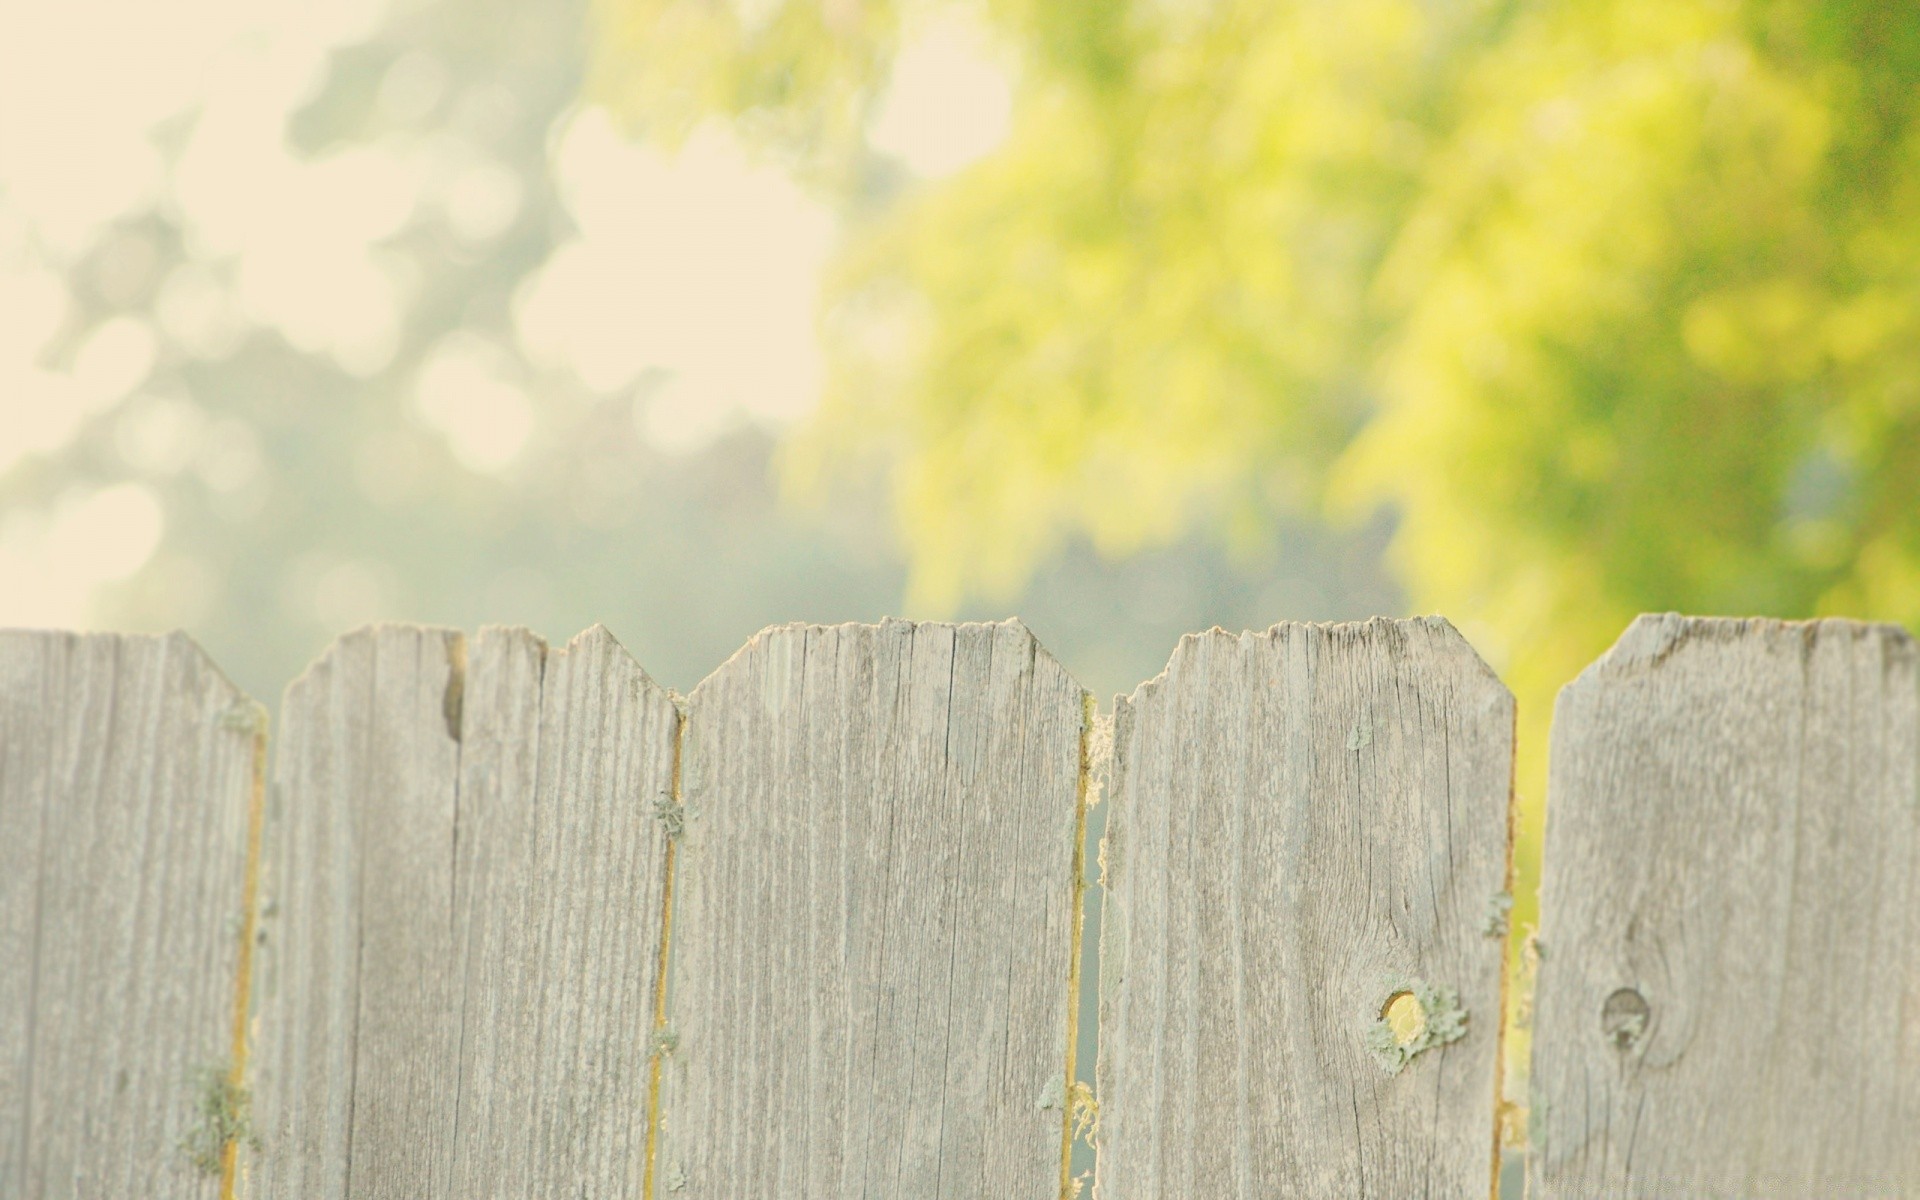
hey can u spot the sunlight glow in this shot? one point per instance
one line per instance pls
(465, 393)
(949, 101)
(689, 281)
(703, 265)
(52, 563)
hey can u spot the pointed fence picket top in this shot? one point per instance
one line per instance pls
(1307, 870)
(462, 913)
(128, 780)
(873, 918)
(1729, 992)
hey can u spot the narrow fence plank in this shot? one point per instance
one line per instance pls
(127, 787)
(354, 1055)
(464, 871)
(1306, 825)
(872, 946)
(1729, 989)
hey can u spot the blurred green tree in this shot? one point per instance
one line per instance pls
(1613, 303)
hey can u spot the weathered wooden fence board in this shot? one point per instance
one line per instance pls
(1729, 992)
(1305, 823)
(354, 1055)
(559, 900)
(127, 784)
(872, 943)
(464, 876)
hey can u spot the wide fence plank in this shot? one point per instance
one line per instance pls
(128, 780)
(1729, 991)
(465, 867)
(873, 918)
(1309, 833)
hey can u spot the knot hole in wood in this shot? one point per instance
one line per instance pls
(1624, 1017)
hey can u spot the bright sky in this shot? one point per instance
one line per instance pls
(696, 273)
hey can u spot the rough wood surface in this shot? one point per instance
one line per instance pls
(1305, 822)
(126, 788)
(873, 918)
(559, 898)
(464, 881)
(1729, 989)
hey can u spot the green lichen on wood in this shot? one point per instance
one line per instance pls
(665, 1042)
(671, 814)
(223, 1112)
(244, 716)
(1439, 1020)
(1494, 922)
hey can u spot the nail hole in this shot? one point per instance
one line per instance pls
(1623, 1018)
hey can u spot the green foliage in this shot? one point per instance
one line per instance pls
(797, 72)
(1609, 301)
(1150, 309)
(1652, 310)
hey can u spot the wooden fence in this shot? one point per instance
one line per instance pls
(507, 921)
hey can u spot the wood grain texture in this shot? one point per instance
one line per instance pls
(126, 788)
(464, 871)
(559, 905)
(355, 1053)
(872, 925)
(1303, 821)
(1729, 990)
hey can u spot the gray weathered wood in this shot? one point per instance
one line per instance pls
(1304, 823)
(873, 918)
(354, 1054)
(562, 857)
(1729, 989)
(465, 869)
(127, 783)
